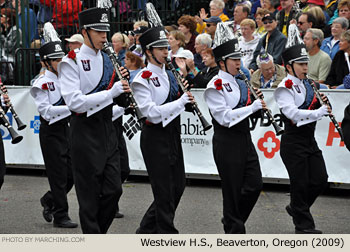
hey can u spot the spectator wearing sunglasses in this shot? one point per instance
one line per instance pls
(272, 42)
(305, 21)
(211, 25)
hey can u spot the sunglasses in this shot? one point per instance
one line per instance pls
(301, 23)
(268, 21)
(208, 25)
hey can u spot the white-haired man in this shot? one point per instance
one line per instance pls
(269, 74)
(202, 42)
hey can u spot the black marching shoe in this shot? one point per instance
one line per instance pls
(119, 215)
(289, 210)
(65, 224)
(47, 211)
(308, 231)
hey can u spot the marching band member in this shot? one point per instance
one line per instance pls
(54, 137)
(299, 151)
(117, 119)
(85, 77)
(230, 105)
(158, 99)
(4, 100)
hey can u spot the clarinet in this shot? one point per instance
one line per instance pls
(204, 122)
(108, 49)
(15, 137)
(277, 128)
(327, 103)
(20, 124)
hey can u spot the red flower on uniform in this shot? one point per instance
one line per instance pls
(146, 74)
(289, 84)
(72, 55)
(44, 86)
(218, 84)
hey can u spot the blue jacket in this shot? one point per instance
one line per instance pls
(327, 48)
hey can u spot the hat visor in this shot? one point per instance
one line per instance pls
(267, 18)
(163, 43)
(236, 55)
(302, 60)
(102, 28)
(59, 55)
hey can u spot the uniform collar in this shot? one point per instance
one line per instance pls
(226, 76)
(156, 69)
(50, 75)
(295, 80)
(89, 51)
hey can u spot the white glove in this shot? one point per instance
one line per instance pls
(322, 111)
(256, 105)
(184, 99)
(117, 89)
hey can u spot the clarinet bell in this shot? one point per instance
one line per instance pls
(278, 129)
(20, 124)
(14, 135)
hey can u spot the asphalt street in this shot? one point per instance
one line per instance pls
(199, 212)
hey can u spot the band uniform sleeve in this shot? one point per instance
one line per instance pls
(77, 101)
(47, 111)
(285, 101)
(156, 113)
(117, 112)
(221, 112)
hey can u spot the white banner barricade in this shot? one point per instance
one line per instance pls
(197, 144)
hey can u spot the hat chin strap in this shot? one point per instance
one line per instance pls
(153, 57)
(93, 46)
(49, 66)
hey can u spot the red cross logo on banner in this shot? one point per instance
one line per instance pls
(269, 144)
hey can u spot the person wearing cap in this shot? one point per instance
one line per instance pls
(75, 41)
(88, 88)
(230, 106)
(300, 154)
(157, 94)
(211, 24)
(269, 74)
(216, 10)
(54, 137)
(272, 42)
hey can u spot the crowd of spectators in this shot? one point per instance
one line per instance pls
(261, 27)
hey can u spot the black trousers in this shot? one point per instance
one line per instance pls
(307, 174)
(162, 153)
(2, 163)
(239, 169)
(123, 151)
(55, 147)
(96, 169)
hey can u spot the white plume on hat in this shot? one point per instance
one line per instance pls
(223, 34)
(49, 33)
(104, 4)
(293, 36)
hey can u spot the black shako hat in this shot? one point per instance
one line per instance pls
(296, 53)
(154, 37)
(227, 50)
(94, 18)
(51, 50)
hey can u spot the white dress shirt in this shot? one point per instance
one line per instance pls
(289, 100)
(79, 79)
(151, 94)
(46, 92)
(222, 103)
